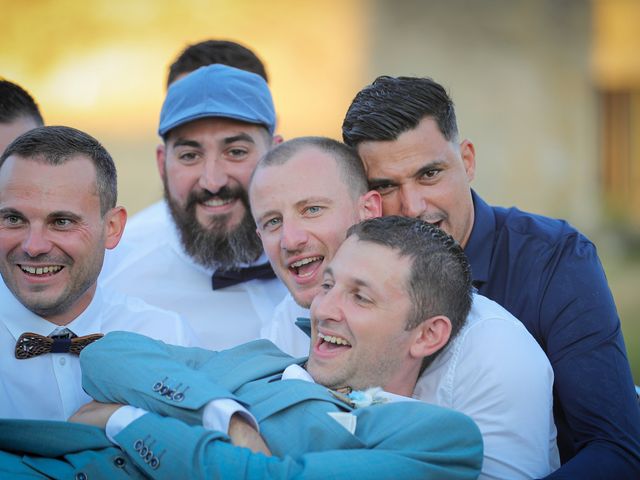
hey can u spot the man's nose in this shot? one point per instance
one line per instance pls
(413, 202)
(213, 176)
(36, 242)
(327, 306)
(292, 236)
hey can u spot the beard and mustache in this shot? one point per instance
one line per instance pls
(214, 245)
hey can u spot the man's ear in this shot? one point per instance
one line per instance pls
(277, 139)
(431, 336)
(468, 155)
(370, 205)
(115, 220)
(160, 159)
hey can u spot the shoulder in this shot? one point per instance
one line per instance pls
(495, 337)
(551, 232)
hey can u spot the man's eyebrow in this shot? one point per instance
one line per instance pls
(184, 142)
(352, 280)
(64, 214)
(9, 211)
(378, 182)
(241, 137)
(429, 166)
(312, 200)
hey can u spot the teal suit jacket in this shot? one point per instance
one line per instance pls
(396, 440)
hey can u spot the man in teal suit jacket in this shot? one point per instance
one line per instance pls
(312, 431)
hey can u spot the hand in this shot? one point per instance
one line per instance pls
(243, 434)
(95, 413)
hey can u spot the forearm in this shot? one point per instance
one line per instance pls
(134, 370)
(180, 448)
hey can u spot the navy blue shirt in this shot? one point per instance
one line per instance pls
(548, 275)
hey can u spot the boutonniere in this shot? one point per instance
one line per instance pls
(368, 397)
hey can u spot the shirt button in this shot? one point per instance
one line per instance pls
(81, 476)
(119, 462)
(62, 360)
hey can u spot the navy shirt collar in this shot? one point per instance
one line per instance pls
(480, 245)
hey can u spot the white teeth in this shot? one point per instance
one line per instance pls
(216, 202)
(334, 340)
(41, 270)
(304, 261)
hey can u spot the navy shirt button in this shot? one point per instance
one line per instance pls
(81, 476)
(119, 462)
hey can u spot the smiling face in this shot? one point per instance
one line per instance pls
(423, 175)
(358, 321)
(52, 236)
(302, 210)
(206, 165)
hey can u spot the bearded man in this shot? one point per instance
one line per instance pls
(199, 254)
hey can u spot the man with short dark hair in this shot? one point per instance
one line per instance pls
(197, 253)
(542, 270)
(209, 52)
(19, 113)
(312, 430)
(302, 224)
(58, 214)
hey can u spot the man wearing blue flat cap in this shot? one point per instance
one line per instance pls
(199, 254)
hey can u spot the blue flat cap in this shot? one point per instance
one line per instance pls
(218, 91)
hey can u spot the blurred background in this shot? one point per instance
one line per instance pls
(548, 90)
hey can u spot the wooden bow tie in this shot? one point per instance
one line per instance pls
(31, 344)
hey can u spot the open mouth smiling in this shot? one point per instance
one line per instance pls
(306, 266)
(330, 343)
(41, 271)
(218, 202)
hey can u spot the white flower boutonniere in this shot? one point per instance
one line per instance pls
(365, 398)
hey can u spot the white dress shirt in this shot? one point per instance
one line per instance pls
(48, 386)
(282, 330)
(150, 263)
(493, 371)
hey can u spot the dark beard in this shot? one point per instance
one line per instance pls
(213, 246)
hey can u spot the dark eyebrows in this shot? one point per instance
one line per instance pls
(241, 137)
(183, 142)
(429, 166)
(9, 211)
(379, 182)
(64, 214)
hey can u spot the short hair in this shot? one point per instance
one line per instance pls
(15, 102)
(391, 106)
(439, 282)
(209, 52)
(350, 165)
(56, 145)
